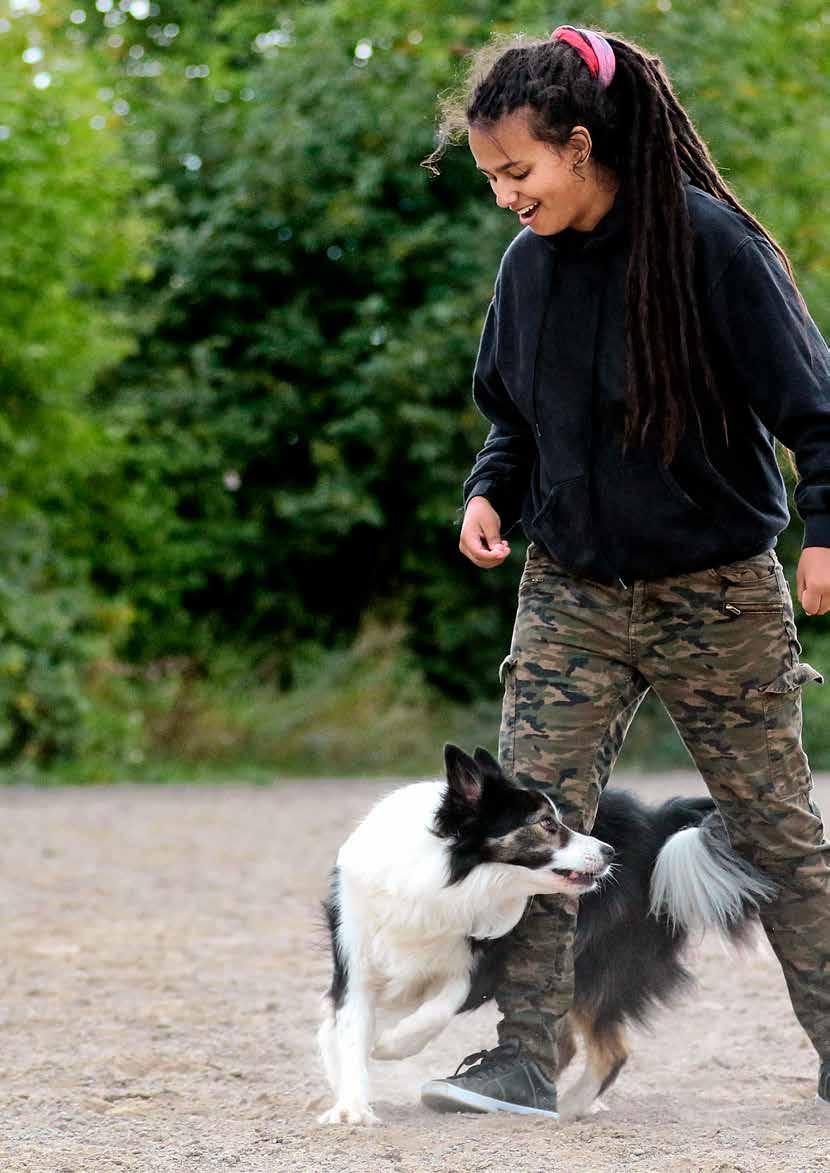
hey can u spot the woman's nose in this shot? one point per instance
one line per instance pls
(505, 198)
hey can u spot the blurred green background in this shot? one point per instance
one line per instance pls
(237, 328)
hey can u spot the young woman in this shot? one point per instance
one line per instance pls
(644, 347)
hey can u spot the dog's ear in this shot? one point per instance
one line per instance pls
(486, 763)
(463, 775)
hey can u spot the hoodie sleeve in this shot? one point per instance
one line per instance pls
(782, 362)
(502, 469)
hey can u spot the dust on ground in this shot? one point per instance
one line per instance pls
(163, 962)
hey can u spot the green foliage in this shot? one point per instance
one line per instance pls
(299, 401)
(237, 327)
(51, 628)
(362, 708)
(69, 240)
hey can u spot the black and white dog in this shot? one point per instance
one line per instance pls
(439, 872)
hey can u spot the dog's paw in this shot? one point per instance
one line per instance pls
(392, 1045)
(577, 1108)
(386, 1047)
(349, 1114)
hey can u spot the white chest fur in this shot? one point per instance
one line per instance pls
(399, 914)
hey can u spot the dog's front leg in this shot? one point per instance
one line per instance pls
(354, 1027)
(411, 1034)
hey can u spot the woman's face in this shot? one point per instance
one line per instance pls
(535, 180)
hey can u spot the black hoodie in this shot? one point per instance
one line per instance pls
(550, 378)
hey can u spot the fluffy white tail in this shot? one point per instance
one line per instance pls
(700, 882)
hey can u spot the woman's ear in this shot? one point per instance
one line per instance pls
(580, 144)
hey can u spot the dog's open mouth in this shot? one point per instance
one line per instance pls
(575, 877)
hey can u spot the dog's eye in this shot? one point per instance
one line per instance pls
(549, 823)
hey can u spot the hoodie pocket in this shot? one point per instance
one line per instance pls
(678, 491)
(565, 525)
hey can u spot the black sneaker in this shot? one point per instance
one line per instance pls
(824, 1082)
(503, 1081)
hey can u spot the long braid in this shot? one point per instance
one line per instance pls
(663, 326)
(639, 131)
(699, 165)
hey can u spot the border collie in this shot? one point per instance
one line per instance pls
(428, 885)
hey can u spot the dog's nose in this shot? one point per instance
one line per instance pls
(607, 852)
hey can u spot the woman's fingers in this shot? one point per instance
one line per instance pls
(481, 539)
(811, 602)
(487, 552)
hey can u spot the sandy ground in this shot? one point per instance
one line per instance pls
(162, 965)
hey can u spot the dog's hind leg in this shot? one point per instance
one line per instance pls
(566, 1044)
(412, 1033)
(606, 1053)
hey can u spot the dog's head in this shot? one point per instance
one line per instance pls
(488, 819)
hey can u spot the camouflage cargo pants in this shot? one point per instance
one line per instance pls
(720, 649)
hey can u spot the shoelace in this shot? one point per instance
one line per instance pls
(502, 1051)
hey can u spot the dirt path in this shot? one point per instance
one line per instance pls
(162, 964)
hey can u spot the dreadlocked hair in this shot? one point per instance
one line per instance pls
(641, 133)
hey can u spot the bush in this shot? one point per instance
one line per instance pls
(69, 240)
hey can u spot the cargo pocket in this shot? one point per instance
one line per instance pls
(791, 679)
(758, 568)
(507, 665)
(763, 597)
(751, 585)
(789, 772)
(507, 729)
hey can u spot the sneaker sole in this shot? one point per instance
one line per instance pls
(444, 1097)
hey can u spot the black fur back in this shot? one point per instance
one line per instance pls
(625, 960)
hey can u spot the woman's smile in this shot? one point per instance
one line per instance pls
(528, 212)
(509, 155)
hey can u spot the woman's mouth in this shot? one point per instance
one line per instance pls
(527, 213)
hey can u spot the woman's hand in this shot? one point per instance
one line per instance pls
(812, 580)
(481, 539)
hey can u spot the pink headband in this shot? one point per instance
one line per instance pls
(592, 48)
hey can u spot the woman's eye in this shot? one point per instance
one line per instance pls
(515, 178)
